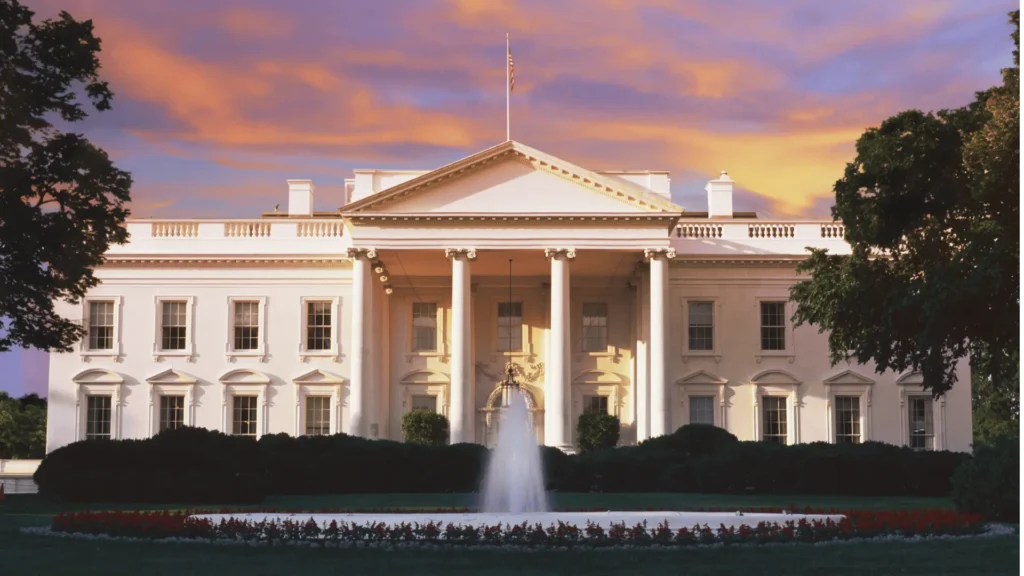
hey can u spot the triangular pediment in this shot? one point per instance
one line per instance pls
(701, 377)
(775, 378)
(171, 376)
(849, 377)
(319, 377)
(512, 178)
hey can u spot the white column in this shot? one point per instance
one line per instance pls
(660, 409)
(556, 389)
(356, 423)
(460, 425)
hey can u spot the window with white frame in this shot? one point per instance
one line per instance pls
(246, 326)
(596, 404)
(774, 419)
(101, 325)
(173, 325)
(847, 415)
(318, 415)
(425, 402)
(243, 415)
(172, 412)
(700, 329)
(702, 410)
(595, 327)
(922, 432)
(510, 326)
(424, 326)
(319, 326)
(97, 417)
(773, 325)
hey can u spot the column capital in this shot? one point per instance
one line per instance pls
(567, 253)
(467, 253)
(655, 253)
(369, 253)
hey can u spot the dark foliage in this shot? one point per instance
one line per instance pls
(989, 483)
(596, 430)
(425, 427)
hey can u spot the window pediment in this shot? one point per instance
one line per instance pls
(171, 376)
(598, 377)
(319, 377)
(425, 377)
(701, 378)
(848, 378)
(97, 376)
(775, 378)
(244, 376)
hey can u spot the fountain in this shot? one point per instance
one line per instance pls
(514, 481)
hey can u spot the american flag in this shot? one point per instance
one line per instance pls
(511, 72)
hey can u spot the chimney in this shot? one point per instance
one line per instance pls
(300, 197)
(720, 196)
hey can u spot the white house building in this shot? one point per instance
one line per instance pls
(308, 322)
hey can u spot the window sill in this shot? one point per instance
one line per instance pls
(687, 355)
(762, 354)
(247, 354)
(173, 354)
(87, 355)
(319, 354)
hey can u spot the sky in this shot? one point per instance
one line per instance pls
(218, 102)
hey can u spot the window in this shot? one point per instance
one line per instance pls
(173, 325)
(318, 326)
(318, 415)
(595, 405)
(243, 416)
(921, 429)
(702, 410)
(424, 327)
(97, 418)
(247, 326)
(424, 402)
(701, 328)
(595, 327)
(510, 326)
(773, 325)
(774, 419)
(172, 412)
(847, 419)
(101, 325)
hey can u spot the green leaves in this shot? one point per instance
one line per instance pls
(62, 201)
(931, 208)
(22, 427)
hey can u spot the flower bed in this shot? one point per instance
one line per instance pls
(182, 525)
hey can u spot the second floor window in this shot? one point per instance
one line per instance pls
(700, 332)
(101, 325)
(595, 327)
(318, 326)
(773, 325)
(247, 326)
(424, 326)
(173, 326)
(510, 326)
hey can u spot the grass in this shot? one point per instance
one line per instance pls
(23, 554)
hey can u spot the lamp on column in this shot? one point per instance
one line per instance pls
(509, 386)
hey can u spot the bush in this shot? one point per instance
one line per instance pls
(596, 430)
(989, 483)
(424, 427)
(692, 440)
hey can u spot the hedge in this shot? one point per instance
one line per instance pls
(596, 430)
(425, 427)
(198, 466)
(989, 483)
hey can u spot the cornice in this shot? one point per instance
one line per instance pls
(582, 217)
(154, 261)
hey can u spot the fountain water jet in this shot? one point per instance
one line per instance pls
(514, 481)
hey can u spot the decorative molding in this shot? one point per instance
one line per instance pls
(504, 218)
(171, 382)
(247, 261)
(318, 383)
(517, 369)
(368, 253)
(654, 253)
(567, 253)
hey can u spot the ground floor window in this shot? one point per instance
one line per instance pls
(172, 412)
(595, 404)
(775, 425)
(847, 414)
(243, 416)
(318, 415)
(921, 424)
(97, 418)
(702, 410)
(424, 402)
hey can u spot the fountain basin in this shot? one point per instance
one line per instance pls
(676, 520)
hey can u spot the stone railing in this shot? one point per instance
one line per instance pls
(206, 229)
(761, 230)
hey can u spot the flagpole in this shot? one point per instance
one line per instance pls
(508, 115)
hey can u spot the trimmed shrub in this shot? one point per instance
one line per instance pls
(425, 427)
(596, 430)
(692, 440)
(989, 483)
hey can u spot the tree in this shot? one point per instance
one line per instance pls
(62, 201)
(995, 411)
(22, 426)
(931, 208)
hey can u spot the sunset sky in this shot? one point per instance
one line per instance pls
(217, 103)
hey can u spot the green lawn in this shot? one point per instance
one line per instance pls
(20, 554)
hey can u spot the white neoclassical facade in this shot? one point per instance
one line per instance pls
(308, 322)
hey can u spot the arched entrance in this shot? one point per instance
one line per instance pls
(492, 414)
